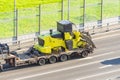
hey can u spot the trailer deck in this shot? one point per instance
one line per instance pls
(15, 59)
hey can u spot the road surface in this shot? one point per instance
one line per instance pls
(104, 64)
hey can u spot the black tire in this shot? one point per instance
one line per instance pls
(84, 54)
(41, 61)
(52, 60)
(63, 57)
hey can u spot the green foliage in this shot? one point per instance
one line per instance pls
(8, 5)
(50, 14)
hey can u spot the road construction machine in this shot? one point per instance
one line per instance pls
(66, 41)
(55, 46)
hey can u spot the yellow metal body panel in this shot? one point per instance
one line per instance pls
(67, 36)
(51, 43)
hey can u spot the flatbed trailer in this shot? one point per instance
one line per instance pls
(13, 61)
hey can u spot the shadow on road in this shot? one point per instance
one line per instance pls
(115, 61)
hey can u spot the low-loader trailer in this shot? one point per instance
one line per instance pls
(55, 46)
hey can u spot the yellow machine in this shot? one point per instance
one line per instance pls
(64, 39)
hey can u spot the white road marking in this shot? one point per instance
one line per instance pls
(59, 70)
(96, 56)
(105, 66)
(106, 36)
(103, 54)
(86, 58)
(100, 74)
(107, 48)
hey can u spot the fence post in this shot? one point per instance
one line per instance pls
(84, 8)
(15, 31)
(107, 27)
(14, 20)
(15, 27)
(119, 13)
(16, 23)
(101, 16)
(118, 19)
(101, 10)
(93, 30)
(39, 18)
(62, 9)
(68, 9)
(19, 45)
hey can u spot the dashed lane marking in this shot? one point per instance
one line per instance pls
(105, 66)
(100, 74)
(106, 36)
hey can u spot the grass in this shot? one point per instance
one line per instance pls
(28, 19)
(8, 5)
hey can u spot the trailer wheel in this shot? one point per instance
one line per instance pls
(41, 61)
(84, 54)
(52, 59)
(63, 57)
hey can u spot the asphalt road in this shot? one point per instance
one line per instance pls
(103, 64)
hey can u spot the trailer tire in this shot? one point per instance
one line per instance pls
(41, 61)
(63, 57)
(52, 59)
(84, 54)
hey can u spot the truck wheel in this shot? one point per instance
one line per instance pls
(63, 58)
(41, 61)
(84, 54)
(52, 59)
